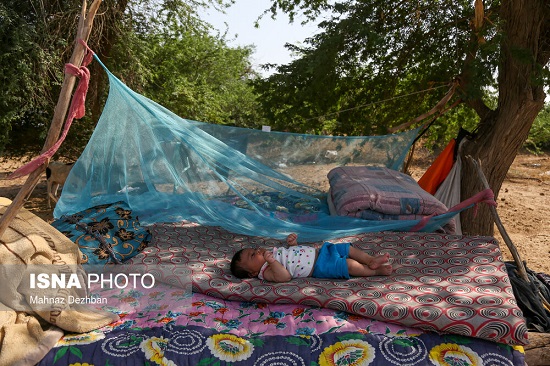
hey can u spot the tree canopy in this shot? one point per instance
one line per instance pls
(376, 64)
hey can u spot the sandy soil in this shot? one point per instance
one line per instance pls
(523, 205)
(524, 201)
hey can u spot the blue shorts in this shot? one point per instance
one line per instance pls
(331, 261)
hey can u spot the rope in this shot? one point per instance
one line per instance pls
(486, 196)
(439, 108)
(76, 110)
(378, 102)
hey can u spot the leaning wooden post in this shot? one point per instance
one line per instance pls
(522, 270)
(513, 250)
(83, 33)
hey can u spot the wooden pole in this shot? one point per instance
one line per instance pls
(513, 250)
(84, 29)
(522, 270)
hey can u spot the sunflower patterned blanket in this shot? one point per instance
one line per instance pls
(165, 325)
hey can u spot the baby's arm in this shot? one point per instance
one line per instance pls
(292, 239)
(275, 271)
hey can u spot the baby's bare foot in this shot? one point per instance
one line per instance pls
(384, 270)
(379, 260)
(292, 239)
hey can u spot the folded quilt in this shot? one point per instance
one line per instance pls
(379, 193)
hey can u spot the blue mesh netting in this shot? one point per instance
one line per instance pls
(248, 181)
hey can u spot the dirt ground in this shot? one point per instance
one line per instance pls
(523, 205)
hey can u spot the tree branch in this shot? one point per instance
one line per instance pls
(480, 107)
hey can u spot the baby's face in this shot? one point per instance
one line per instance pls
(252, 260)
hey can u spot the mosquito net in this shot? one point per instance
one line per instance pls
(248, 181)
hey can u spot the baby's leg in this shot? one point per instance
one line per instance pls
(369, 260)
(357, 269)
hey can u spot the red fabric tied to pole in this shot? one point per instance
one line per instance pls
(76, 110)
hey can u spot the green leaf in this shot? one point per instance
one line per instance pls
(76, 351)
(333, 329)
(60, 353)
(258, 342)
(453, 338)
(405, 342)
(351, 336)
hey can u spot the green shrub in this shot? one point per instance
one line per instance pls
(539, 136)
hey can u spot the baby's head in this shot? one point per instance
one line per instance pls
(247, 262)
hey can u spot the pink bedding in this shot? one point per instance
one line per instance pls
(443, 283)
(379, 193)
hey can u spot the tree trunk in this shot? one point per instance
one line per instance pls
(525, 49)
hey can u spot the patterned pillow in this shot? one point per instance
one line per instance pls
(105, 234)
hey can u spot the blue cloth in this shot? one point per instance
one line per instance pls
(331, 261)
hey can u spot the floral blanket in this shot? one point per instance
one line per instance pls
(105, 234)
(166, 326)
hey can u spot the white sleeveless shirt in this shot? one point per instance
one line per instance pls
(298, 260)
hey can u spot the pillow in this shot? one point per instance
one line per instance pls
(380, 193)
(105, 234)
(356, 188)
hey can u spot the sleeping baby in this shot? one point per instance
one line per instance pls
(330, 261)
